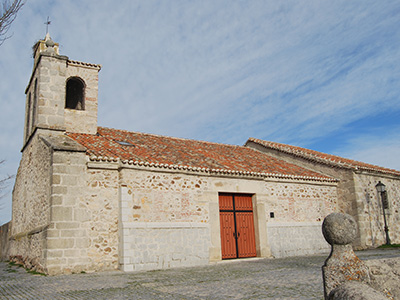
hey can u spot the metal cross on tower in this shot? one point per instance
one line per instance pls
(47, 23)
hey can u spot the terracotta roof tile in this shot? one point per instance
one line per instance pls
(84, 64)
(146, 149)
(316, 156)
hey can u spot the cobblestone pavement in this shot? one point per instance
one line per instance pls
(287, 278)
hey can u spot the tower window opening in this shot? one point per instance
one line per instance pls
(34, 104)
(28, 117)
(75, 94)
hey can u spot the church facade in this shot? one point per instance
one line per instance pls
(89, 198)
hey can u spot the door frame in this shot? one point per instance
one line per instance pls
(259, 200)
(231, 212)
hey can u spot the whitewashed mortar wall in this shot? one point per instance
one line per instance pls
(171, 219)
(299, 209)
(165, 220)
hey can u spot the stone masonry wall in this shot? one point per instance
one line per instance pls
(164, 220)
(158, 245)
(300, 202)
(299, 209)
(50, 73)
(83, 235)
(4, 240)
(106, 216)
(83, 121)
(345, 189)
(67, 240)
(163, 197)
(46, 93)
(295, 239)
(371, 223)
(45, 108)
(102, 221)
(31, 204)
(172, 219)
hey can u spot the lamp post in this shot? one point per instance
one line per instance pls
(381, 188)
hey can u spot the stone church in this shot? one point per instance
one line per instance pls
(89, 198)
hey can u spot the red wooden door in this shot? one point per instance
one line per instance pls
(246, 239)
(228, 245)
(237, 226)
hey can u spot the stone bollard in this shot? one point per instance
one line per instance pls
(343, 266)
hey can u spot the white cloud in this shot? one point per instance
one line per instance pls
(381, 150)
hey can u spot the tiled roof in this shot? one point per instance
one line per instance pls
(176, 153)
(324, 158)
(84, 64)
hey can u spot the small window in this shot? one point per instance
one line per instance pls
(75, 94)
(28, 116)
(125, 143)
(34, 104)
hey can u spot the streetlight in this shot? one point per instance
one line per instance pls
(381, 188)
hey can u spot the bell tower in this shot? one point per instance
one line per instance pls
(62, 94)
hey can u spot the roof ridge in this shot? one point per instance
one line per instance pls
(172, 137)
(318, 156)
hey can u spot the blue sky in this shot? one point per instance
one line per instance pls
(324, 75)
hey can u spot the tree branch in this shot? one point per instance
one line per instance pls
(8, 13)
(4, 182)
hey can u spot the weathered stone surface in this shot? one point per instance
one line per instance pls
(339, 229)
(370, 216)
(385, 275)
(354, 290)
(31, 205)
(62, 142)
(346, 276)
(342, 264)
(293, 239)
(4, 244)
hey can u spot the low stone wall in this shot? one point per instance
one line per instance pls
(27, 249)
(4, 241)
(385, 275)
(296, 239)
(150, 246)
(345, 275)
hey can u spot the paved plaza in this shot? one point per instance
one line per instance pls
(287, 278)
